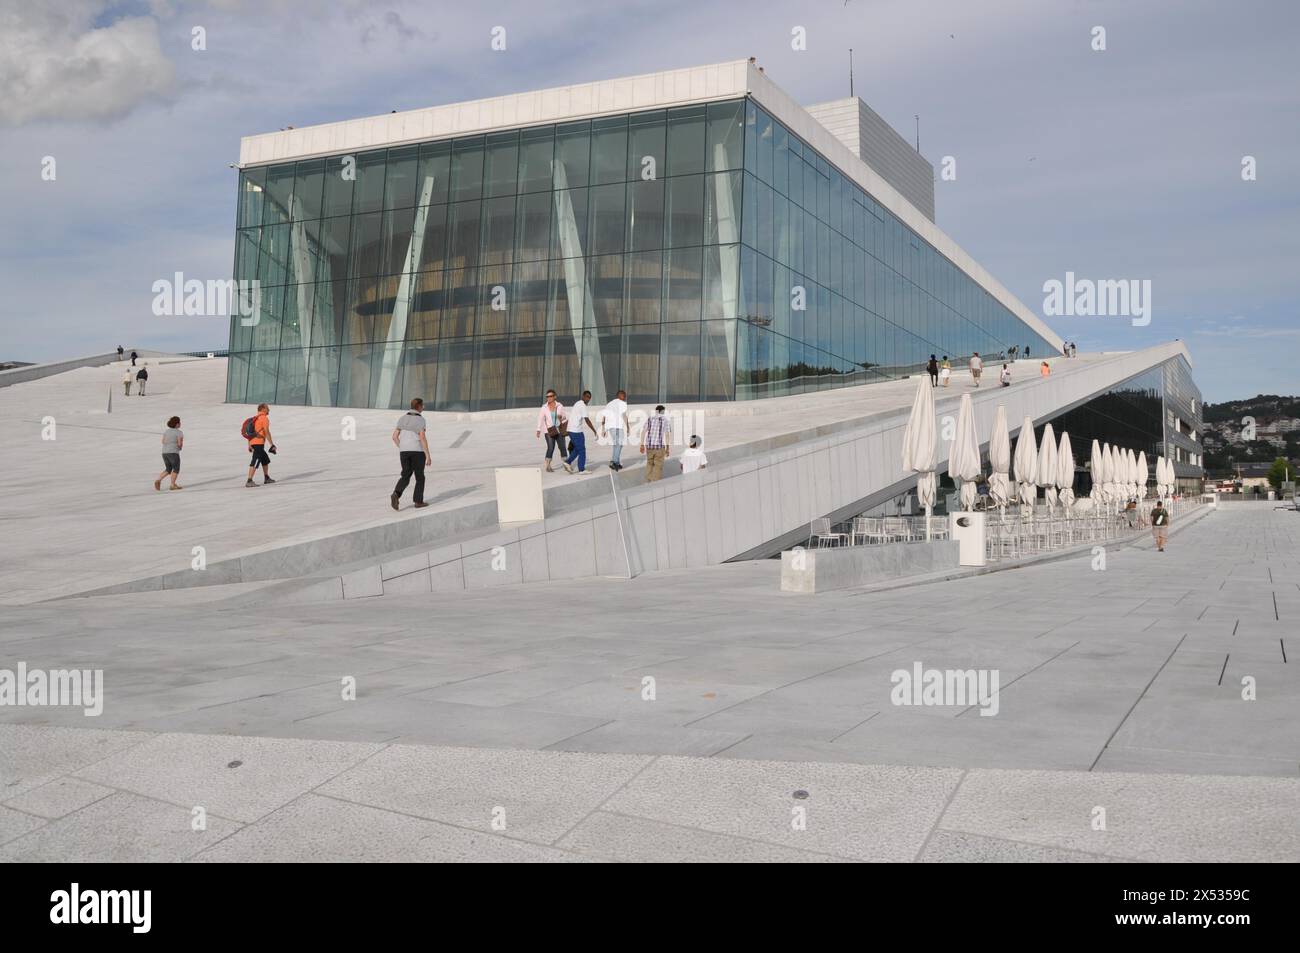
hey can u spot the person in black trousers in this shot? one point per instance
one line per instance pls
(413, 450)
(933, 369)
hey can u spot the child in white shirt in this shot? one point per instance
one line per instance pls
(693, 458)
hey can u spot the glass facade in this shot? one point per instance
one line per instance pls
(691, 254)
(1183, 422)
(1136, 415)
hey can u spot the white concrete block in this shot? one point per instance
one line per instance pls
(519, 494)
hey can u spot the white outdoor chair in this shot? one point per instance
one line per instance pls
(1003, 540)
(821, 531)
(896, 528)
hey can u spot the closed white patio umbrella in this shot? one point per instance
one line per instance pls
(1117, 475)
(1000, 460)
(1107, 463)
(1096, 466)
(1065, 472)
(1026, 460)
(964, 458)
(1047, 467)
(1142, 475)
(1133, 477)
(919, 447)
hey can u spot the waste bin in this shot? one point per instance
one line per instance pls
(968, 530)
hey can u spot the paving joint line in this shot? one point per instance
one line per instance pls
(650, 762)
(1136, 701)
(952, 796)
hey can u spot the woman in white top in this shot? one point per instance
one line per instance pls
(554, 422)
(945, 371)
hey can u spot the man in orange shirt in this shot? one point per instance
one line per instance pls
(259, 443)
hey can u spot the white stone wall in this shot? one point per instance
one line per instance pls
(883, 148)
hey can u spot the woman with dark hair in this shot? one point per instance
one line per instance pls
(553, 421)
(172, 442)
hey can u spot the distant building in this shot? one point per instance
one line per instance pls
(1253, 474)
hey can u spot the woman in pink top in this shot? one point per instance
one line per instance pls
(554, 422)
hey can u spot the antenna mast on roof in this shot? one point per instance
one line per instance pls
(850, 72)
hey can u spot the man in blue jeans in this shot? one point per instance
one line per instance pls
(579, 415)
(613, 420)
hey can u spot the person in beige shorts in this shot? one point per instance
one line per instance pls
(1160, 525)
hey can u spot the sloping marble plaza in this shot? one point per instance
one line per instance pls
(514, 724)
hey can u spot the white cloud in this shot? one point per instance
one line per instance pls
(56, 64)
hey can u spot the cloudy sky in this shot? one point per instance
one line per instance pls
(1125, 163)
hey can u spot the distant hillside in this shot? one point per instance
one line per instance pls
(1263, 406)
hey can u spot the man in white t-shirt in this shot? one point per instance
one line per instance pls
(413, 450)
(976, 367)
(613, 420)
(579, 415)
(694, 459)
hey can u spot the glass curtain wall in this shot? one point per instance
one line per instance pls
(477, 272)
(836, 290)
(1129, 415)
(690, 254)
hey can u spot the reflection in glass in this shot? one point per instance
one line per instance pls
(701, 252)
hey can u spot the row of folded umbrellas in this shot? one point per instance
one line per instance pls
(1117, 474)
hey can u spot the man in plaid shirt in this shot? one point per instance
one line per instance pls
(655, 437)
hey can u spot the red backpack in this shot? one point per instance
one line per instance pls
(249, 428)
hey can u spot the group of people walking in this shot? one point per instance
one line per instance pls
(941, 371)
(140, 377)
(256, 431)
(565, 430)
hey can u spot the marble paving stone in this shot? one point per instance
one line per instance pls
(1148, 817)
(315, 829)
(123, 828)
(860, 812)
(1162, 761)
(618, 837)
(429, 721)
(197, 770)
(31, 756)
(677, 701)
(543, 794)
(616, 737)
(14, 824)
(58, 798)
(946, 847)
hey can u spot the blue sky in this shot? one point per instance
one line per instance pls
(1117, 164)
